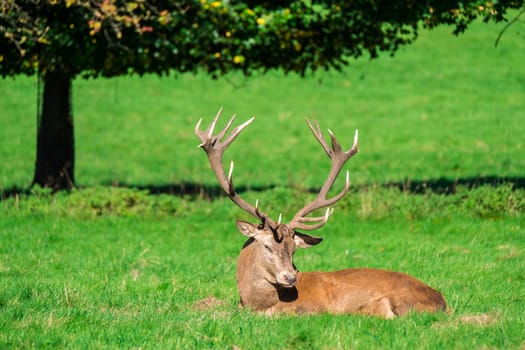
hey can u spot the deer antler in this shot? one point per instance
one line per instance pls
(338, 158)
(214, 148)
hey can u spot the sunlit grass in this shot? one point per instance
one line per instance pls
(120, 268)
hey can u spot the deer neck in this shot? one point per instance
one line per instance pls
(254, 289)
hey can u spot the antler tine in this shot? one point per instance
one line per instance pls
(214, 123)
(338, 158)
(207, 135)
(335, 145)
(313, 223)
(237, 130)
(318, 135)
(214, 148)
(220, 135)
(230, 176)
(355, 146)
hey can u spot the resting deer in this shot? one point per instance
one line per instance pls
(267, 278)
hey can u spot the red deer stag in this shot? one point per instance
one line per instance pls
(267, 278)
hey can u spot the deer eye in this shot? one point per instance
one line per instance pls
(268, 248)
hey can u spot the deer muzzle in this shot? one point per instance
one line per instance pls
(286, 279)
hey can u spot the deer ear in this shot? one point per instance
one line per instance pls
(306, 241)
(246, 228)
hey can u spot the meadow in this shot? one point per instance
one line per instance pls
(143, 253)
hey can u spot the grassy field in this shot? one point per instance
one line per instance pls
(119, 267)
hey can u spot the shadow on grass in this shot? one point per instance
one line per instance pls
(441, 186)
(210, 192)
(13, 192)
(449, 186)
(195, 190)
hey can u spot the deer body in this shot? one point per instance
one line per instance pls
(267, 279)
(344, 291)
(366, 291)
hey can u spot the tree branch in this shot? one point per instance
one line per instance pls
(514, 20)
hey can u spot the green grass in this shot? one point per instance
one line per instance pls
(134, 275)
(118, 267)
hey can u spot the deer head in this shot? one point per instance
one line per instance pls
(273, 251)
(272, 243)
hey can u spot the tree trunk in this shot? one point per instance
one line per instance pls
(55, 152)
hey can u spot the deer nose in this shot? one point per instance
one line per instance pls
(286, 279)
(291, 279)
